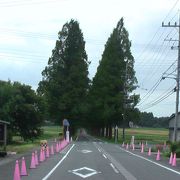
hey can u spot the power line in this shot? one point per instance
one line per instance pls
(159, 28)
(147, 95)
(154, 87)
(160, 59)
(160, 99)
(28, 3)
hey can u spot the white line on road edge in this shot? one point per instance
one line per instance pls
(116, 171)
(150, 161)
(104, 156)
(117, 164)
(47, 176)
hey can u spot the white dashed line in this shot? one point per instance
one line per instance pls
(117, 164)
(104, 156)
(115, 170)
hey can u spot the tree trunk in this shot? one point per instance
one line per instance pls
(110, 131)
(102, 133)
(107, 131)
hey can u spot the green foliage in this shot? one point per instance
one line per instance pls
(114, 76)
(65, 79)
(175, 148)
(148, 120)
(22, 108)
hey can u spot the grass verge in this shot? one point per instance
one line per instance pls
(20, 146)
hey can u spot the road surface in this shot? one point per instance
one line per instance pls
(89, 158)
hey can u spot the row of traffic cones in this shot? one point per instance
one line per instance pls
(34, 159)
(172, 159)
(18, 173)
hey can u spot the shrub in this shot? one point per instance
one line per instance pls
(175, 148)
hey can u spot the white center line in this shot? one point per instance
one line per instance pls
(116, 171)
(49, 174)
(117, 164)
(104, 156)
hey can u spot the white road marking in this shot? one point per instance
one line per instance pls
(91, 172)
(105, 156)
(49, 174)
(151, 161)
(85, 151)
(99, 150)
(118, 165)
(116, 171)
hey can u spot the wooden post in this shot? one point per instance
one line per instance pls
(5, 136)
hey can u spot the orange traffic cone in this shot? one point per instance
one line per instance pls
(17, 171)
(33, 165)
(174, 160)
(127, 146)
(43, 153)
(146, 143)
(52, 150)
(142, 148)
(36, 158)
(41, 156)
(47, 151)
(158, 156)
(133, 147)
(123, 144)
(57, 148)
(149, 152)
(171, 158)
(23, 168)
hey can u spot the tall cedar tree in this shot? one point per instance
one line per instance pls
(107, 93)
(65, 79)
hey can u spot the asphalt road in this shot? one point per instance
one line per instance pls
(89, 158)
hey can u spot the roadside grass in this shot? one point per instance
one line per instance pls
(151, 135)
(20, 146)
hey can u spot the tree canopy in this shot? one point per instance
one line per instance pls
(114, 81)
(65, 79)
(20, 106)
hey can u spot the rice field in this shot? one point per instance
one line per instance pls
(152, 135)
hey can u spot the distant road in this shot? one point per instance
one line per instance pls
(89, 158)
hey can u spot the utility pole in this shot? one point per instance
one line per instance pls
(177, 78)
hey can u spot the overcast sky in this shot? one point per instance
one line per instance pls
(29, 28)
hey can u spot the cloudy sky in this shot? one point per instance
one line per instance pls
(29, 28)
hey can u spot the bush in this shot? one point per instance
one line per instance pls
(175, 148)
(178, 153)
(3, 153)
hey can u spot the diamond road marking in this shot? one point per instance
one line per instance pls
(91, 172)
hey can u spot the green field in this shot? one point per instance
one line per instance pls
(152, 135)
(20, 146)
